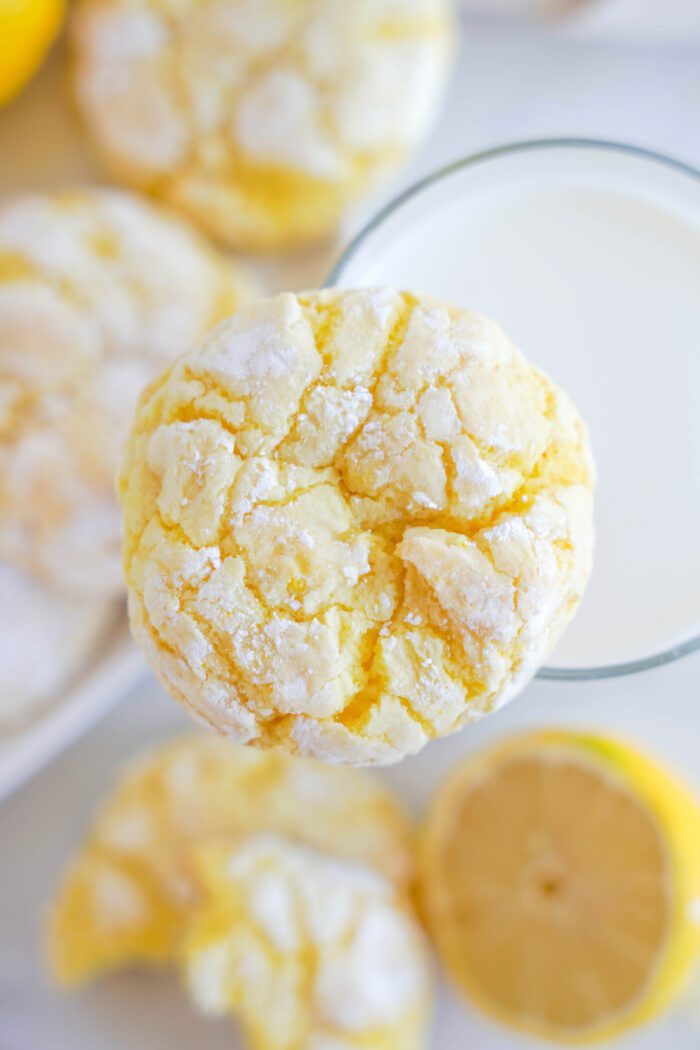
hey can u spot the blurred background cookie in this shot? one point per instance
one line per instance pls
(129, 893)
(45, 637)
(306, 951)
(261, 119)
(98, 291)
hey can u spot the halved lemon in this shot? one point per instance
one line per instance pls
(560, 876)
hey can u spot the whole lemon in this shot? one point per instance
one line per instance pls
(27, 30)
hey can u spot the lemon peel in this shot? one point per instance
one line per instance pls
(27, 30)
(560, 874)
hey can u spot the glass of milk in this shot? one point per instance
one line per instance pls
(588, 255)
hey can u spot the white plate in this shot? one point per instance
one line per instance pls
(108, 676)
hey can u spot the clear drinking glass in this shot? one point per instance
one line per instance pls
(588, 255)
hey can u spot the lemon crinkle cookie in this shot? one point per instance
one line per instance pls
(129, 894)
(98, 292)
(261, 119)
(45, 636)
(353, 521)
(306, 951)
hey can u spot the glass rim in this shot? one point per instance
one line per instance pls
(566, 674)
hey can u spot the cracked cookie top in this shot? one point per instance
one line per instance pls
(130, 892)
(353, 521)
(261, 119)
(305, 950)
(98, 292)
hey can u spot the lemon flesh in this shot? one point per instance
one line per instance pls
(557, 875)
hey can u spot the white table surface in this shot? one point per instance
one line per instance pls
(510, 84)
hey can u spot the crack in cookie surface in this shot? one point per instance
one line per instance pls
(384, 537)
(306, 951)
(129, 893)
(98, 291)
(261, 119)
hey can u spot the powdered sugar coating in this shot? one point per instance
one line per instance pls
(45, 636)
(98, 291)
(260, 118)
(391, 543)
(303, 948)
(188, 790)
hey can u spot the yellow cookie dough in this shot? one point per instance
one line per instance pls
(306, 951)
(98, 292)
(353, 521)
(129, 893)
(261, 119)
